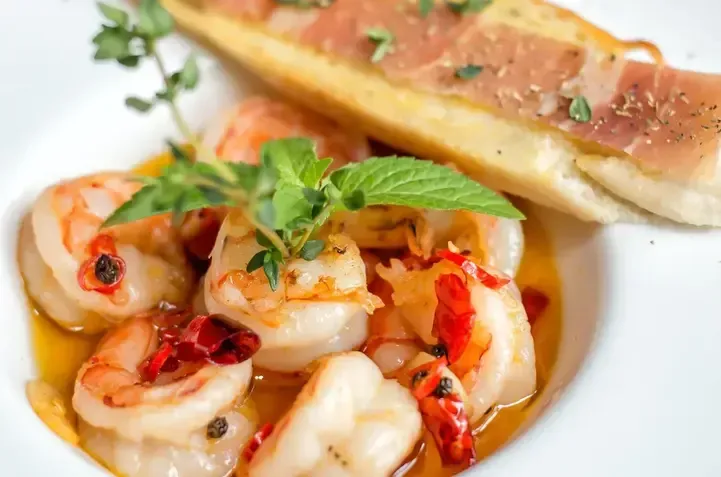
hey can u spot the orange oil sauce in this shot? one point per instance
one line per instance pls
(59, 354)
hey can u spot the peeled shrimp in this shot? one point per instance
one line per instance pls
(142, 429)
(497, 240)
(505, 370)
(238, 135)
(62, 249)
(320, 306)
(347, 421)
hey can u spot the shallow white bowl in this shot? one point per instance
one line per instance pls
(635, 389)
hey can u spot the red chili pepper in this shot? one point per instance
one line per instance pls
(489, 280)
(254, 443)
(426, 377)
(151, 367)
(88, 279)
(447, 421)
(102, 243)
(210, 338)
(535, 302)
(454, 317)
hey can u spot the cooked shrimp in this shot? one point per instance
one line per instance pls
(179, 423)
(238, 135)
(347, 421)
(76, 271)
(497, 240)
(486, 329)
(320, 306)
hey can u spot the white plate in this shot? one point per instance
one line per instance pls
(642, 305)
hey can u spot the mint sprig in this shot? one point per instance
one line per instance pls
(286, 197)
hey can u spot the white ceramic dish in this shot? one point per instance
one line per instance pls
(636, 387)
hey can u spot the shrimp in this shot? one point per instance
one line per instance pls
(77, 272)
(347, 421)
(148, 412)
(238, 135)
(497, 240)
(320, 306)
(476, 314)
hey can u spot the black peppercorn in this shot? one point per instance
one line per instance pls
(106, 269)
(217, 428)
(439, 350)
(418, 377)
(444, 388)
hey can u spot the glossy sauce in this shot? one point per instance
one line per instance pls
(59, 354)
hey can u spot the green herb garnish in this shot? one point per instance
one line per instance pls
(468, 6)
(287, 197)
(579, 110)
(383, 40)
(425, 7)
(468, 72)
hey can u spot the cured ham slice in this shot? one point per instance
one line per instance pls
(565, 122)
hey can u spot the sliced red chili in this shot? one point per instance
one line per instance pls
(254, 442)
(152, 366)
(208, 337)
(535, 302)
(426, 377)
(486, 278)
(102, 243)
(101, 273)
(447, 421)
(454, 316)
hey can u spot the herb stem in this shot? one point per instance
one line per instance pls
(185, 130)
(309, 231)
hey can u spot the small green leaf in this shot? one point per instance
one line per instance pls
(271, 269)
(295, 161)
(129, 61)
(314, 196)
(415, 183)
(140, 205)
(579, 110)
(299, 223)
(154, 20)
(276, 256)
(246, 175)
(425, 7)
(256, 261)
(383, 40)
(262, 240)
(112, 43)
(469, 71)
(138, 104)
(114, 14)
(190, 73)
(355, 200)
(266, 182)
(468, 6)
(289, 204)
(311, 249)
(166, 95)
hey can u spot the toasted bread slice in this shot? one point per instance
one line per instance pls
(532, 159)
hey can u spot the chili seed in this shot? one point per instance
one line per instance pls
(106, 269)
(418, 377)
(217, 428)
(444, 388)
(439, 350)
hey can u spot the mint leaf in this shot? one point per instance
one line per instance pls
(311, 249)
(114, 14)
(178, 153)
(290, 204)
(154, 20)
(355, 200)
(314, 196)
(468, 71)
(415, 183)
(468, 6)
(295, 161)
(112, 42)
(256, 261)
(579, 110)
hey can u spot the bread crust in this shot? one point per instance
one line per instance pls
(521, 158)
